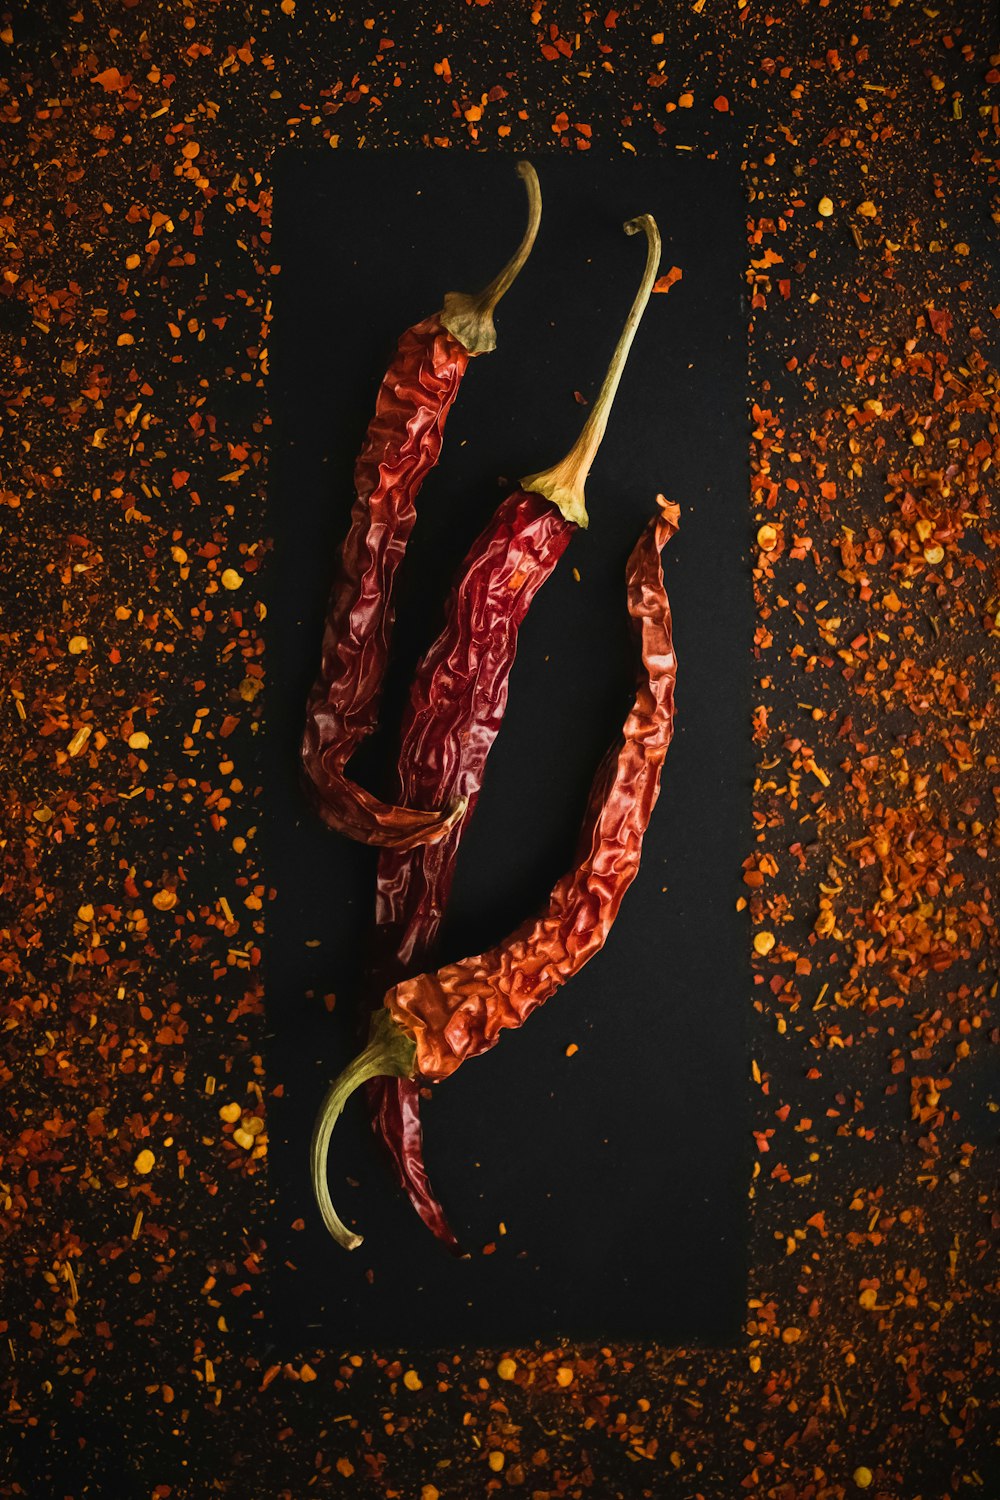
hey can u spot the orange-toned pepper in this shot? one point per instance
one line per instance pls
(430, 1024)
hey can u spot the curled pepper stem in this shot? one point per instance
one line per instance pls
(389, 1053)
(564, 483)
(470, 318)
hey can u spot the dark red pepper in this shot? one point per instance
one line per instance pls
(456, 706)
(402, 444)
(431, 1023)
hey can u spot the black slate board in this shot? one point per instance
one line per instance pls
(620, 1173)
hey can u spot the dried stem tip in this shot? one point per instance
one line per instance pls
(390, 1053)
(470, 318)
(563, 484)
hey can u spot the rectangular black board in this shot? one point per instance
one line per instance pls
(620, 1173)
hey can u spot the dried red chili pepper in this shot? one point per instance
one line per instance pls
(428, 1025)
(455, 710)
(456, 707)
(402, 444)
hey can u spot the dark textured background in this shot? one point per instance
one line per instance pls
(136, 313)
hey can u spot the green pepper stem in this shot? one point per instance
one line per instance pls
(563, 484)
(389, 1053)
(470, 318)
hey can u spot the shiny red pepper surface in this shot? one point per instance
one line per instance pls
(461, 1010)
(456, 707)
(402, 444)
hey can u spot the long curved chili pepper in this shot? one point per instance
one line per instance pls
(456, 707)
(455, 710)
(402, 444)
(430, 1024)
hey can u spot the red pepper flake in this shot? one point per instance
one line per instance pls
(671, 278)
(940, 321)
(111, 81)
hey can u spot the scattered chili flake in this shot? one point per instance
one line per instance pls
(669, 279)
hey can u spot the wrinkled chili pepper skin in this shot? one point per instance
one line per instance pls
(402, 444)
(456, 707)
(460, 1010)
(457, 703)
